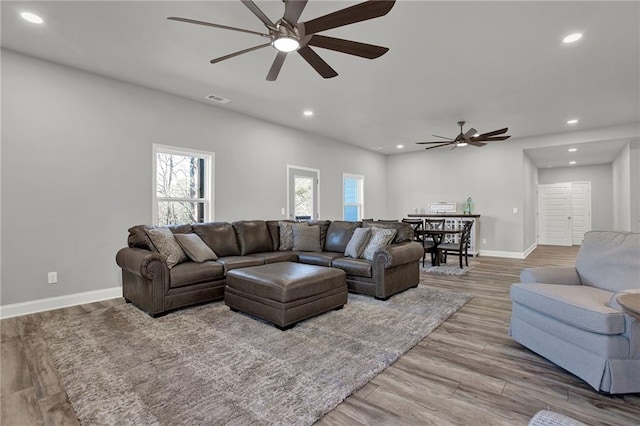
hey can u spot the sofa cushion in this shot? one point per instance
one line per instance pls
(286, 234)
(306, 238)
(339, 234)
(190, 273)
(324, 227)
(163, 239)
(274, 231)
(380, 237)
(404, 231)
(357, 267)
(276, 256)
(358, 242)
(610, 260)
(195, 248)
(235, 262)
(219, 236)
(253, 236)
(317, 258)
(577, 305)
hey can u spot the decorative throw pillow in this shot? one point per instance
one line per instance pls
(306, 238)
(164, 241)
(380, 237)
(286, 234)
(358, 242)
(195, 248)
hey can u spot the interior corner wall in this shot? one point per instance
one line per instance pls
(621, 168)
(602, 189)
(77, 161)
(530, 202)
(634, 150)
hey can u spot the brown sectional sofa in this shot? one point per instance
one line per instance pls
(149, 283)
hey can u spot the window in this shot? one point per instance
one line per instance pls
(352, 196)
(182, 185)
(302, 192)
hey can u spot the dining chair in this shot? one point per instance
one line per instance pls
(431, 242)
(461, 247)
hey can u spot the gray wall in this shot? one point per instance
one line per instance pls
(602, 199)
(634, 147)
(622, 190)
(530, 202)
(76, 171)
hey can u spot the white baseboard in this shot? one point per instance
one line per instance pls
(41, 305)
(508, 254)
(528, 251)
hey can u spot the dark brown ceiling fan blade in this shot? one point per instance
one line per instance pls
(443, 137)
(478, 144)
(350, 15)
(276, 66)
(317, 62)
(231, 55)
(438, 146)
(423, 143)
(259, 13)
(469, 134)
(293, 9)
(209, 24)
(349, 47)
(495, 138)
(493, 133)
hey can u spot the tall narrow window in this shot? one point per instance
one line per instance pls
(182, 187)
(352, 196)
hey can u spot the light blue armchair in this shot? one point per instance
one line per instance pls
(570, 315)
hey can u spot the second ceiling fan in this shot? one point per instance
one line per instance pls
(288, 35)
(470, 137)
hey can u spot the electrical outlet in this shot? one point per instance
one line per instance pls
(52, 277)
(484, 241)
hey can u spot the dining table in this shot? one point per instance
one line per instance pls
(437, 236)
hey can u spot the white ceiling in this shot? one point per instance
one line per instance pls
(493, 64)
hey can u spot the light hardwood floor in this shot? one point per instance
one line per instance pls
(467, 372)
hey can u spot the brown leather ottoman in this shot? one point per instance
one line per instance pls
(285, 292)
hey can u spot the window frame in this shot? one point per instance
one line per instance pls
(208, 182)
(360, 204)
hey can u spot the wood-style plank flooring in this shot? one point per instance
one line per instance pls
(467, 372)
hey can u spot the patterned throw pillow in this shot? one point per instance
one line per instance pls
(306, 238)
(380, 238)
(286, 234)
(358, 242)
(195, 248)
(163, 240)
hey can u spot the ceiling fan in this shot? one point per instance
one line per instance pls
(288, 35)
(470, 137)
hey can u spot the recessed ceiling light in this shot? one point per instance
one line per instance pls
(399, 146)
(377, 148)
(31, 17)
(572, 38)
(572, 121)
(572, 162)
(307, 113)
(573, 149)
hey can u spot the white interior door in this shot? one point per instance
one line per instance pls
(554, 203)
(302, 193)
(580, 210)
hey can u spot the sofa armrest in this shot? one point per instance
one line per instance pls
(566, 275)
(399, 254)
(141, 262)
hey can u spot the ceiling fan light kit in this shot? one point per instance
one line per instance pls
(470, 137)
(288, 35)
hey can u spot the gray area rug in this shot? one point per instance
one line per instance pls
(208, 365)
(449, 268)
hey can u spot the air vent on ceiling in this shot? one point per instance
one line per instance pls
(218, 99)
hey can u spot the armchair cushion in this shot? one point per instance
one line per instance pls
(551, 275)
(610, 260)
(580, 306)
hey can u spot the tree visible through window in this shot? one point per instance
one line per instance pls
(182, 182)
(353, 204)
(303, 197)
